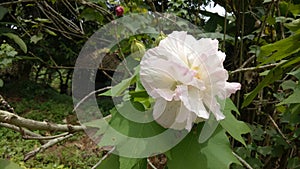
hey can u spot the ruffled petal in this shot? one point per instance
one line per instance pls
(214, 107)
(232, 88)
(167, 119)
(159, 108)
(191, 98)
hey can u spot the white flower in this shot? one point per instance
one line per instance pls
(185, 76)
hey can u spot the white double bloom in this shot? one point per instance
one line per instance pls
(185, 76)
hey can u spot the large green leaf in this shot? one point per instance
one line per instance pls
(273, 75)
(111, 162)
(132, 163)
(17, 40)
(123, 130)
(294, 97)
(6, 164)
(213, 154)
(118, 89)
(129, 127)
(233, 126)
(280, 49)
(90, 14)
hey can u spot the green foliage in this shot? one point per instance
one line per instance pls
(268, 30)
(17, 40)
(214, 154)
(7, 55)
(279, 50)
(233, 126)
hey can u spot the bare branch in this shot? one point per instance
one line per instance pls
(21, 130)
(15, 2)
(45, 137)
(7, 117)
(87, 96)
(255, 68)
(45, 146)
(278, 129)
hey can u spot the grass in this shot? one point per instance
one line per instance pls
(40, 102)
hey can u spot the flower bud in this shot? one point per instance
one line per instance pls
(137, 49)
(119, 11)
(160, 37)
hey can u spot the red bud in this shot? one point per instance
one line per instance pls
(119, 10)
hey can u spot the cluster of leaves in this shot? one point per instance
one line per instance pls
(262, 34)
(269, 31)
(198, 154)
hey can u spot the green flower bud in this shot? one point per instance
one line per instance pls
(160, 37)
(137, 50)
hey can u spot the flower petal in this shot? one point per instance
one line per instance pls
(191, 98)
(231, 88)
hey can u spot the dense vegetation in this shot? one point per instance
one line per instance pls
(41, 40)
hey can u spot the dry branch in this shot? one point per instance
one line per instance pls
(13, 119)
(45, 146)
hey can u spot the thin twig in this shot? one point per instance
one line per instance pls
(69, 24)
(69, 7)
(247, 61)
(15, 2)
(278, 129)
(255, 68)
(45, 146)
(103, 158)
(264, 23)
(87, 96)
(21, 130)
(45, 137)
(242, 161)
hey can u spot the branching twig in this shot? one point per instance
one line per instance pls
(7, 117)
(255, 68)
(22, 130)
(87, 96)
(45, 137)
(103, 158)
(45, 146)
